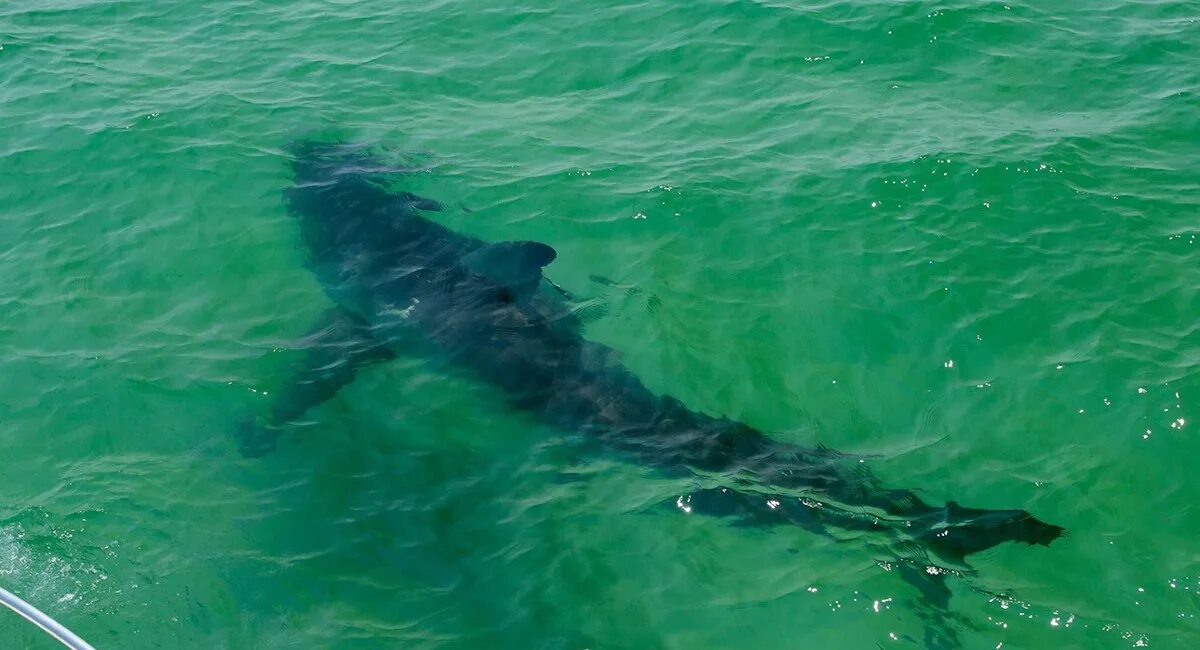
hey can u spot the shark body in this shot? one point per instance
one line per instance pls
(397, 276)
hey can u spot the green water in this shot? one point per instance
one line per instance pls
(960, 237)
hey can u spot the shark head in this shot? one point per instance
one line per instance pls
(318, 162)
(368, 242)
(341, 190)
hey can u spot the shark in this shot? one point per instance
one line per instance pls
(400, 281)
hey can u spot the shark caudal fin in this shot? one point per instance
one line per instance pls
(962, 531)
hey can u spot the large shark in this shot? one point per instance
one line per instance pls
(399, 279)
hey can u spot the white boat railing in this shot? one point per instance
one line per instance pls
(40, 619)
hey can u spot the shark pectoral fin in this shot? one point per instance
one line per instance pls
(933, 607)
(337, 349)
(514, 265)
(929, 580)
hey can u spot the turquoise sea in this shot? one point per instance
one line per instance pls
(956, 237)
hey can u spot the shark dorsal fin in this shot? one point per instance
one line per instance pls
(514, 265)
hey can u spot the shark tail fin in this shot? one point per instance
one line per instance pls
(963, 531)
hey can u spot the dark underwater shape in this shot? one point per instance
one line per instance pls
(399, 279)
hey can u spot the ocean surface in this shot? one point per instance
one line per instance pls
(958, 238)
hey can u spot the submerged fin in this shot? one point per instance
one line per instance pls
(514, 265)
(338, 347)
